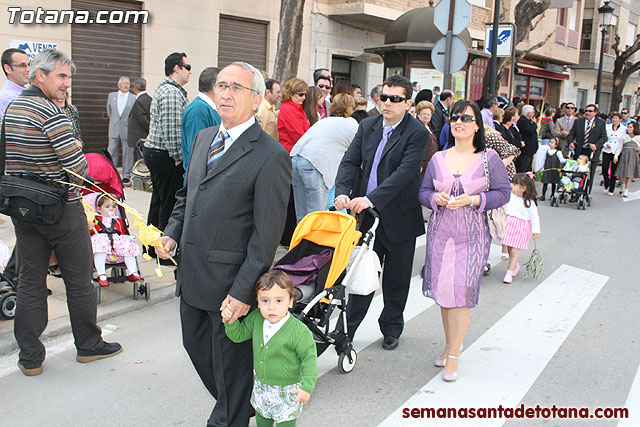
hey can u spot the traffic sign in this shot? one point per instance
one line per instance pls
(505, 39)
(459, 54)
(461, 16)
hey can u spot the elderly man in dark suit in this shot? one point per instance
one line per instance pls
(140, 116)
(388, 149)
(587, 136)
(119, 105)
(228, 218)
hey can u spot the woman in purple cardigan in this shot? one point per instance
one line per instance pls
(458, 238)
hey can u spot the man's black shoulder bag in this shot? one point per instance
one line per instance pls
(28, 197)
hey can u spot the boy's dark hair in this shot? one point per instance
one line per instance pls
(400, 81)
(276, 277)
(529, 188)
(359, 115)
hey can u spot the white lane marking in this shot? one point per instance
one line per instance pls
(633, 404)
(369, 331)
(500, 367)
(8, 363)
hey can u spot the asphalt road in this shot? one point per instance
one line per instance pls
(569, 338)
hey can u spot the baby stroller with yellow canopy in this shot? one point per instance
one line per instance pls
(318, 232)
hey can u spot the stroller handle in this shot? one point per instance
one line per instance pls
(370, 211)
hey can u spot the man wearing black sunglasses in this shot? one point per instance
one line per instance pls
(324, 83)
(563, 126)
(587, 136)
(163, 149)
(387, 152)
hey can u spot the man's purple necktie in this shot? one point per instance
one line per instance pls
(373, 176)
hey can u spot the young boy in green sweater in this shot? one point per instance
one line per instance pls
(284, 352)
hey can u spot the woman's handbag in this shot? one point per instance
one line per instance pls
(497, 218)
(29, 197)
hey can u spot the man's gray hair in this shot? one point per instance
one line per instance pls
(526, 109)
(375, 91)
(122, 78)
(47, 60)
(258, 80)
(140, 84)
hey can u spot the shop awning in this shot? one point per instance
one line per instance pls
(532, 70)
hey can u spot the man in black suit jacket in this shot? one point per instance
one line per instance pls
(388, 149)
(228, 218)
(441, 114)
(592, 145)
(140, 116)
(529, 131)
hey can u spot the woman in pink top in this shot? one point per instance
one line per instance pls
(292, 122)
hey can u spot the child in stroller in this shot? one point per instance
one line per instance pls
(579, 171)
(575, 181)
(109, 238)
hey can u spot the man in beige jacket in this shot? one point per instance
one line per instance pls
(267, 111)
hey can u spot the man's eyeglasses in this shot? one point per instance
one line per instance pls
(465, 118)
(185, 66)
(624, 112)
(570, 108)
(324, 86)
(589, 111)
(392, 98)
(233, 87)
(22, 65)
(301, 94)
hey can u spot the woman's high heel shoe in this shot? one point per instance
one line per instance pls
(450, 376)
(441, 362)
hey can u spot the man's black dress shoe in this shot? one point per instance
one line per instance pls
(108, 349)
(390, 343)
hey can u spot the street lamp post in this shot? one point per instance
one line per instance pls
(606, 13)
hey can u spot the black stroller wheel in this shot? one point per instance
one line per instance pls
(147, 291)
(346, 363)
(136, 290)
(8, 305)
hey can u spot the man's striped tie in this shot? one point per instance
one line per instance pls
(216, 150)
(587, 132)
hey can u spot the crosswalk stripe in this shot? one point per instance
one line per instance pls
(501, 365)
(633, 404)
(369, 331)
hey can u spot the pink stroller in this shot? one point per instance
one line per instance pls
(106, 176)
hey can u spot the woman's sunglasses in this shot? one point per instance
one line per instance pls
(392, 98)
(465, 118)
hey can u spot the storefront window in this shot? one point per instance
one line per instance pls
(521, 83)
(536, 88)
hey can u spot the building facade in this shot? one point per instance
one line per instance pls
(626, 24)
(210, 33)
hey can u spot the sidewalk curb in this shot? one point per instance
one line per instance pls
(62, 325)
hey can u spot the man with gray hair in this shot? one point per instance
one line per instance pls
(489, 105)
(200, 113)
(43, 145)
(228, 218)
(119, 105)
(374, 101)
